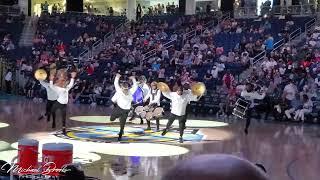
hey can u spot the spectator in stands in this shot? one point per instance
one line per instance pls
(111, 11)
(139, 12)
(208, 8)
(269, 44)
(228, 80)
(306, 109)
(8, 80)
(54, 8)
(45, 7)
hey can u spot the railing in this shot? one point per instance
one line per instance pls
(10, 9)
(310, 24)
(84, 56)
(296, 33)
(186, 36)
(258, 57)
(208, 25)
(293, 35)
(98, 46)
(254, 11)
(278, 44)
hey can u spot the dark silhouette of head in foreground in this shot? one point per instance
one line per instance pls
(215, 167)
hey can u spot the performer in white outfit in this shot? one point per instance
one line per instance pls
(62, 91)
(123, 101)
(179, 102)
(250, 95)
(51, 99)
(307, 108)
(154, 101)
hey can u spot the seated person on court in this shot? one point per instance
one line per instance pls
(216, 167)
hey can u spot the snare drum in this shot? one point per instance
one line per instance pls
(143, 114)
(149, 116)
(55, 156)
(139, 110)
(146, 108)
(28, 154)
(158, 112)
(240, 108)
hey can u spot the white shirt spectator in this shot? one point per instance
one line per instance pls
(269, 65)
(8, 76)
(129, 41)
(308, 105)
(221, 66)
(51, 94)
(215, 72)
(179, 103)
(97, 90)
(290, 91)
(63, 93)
(203, 47)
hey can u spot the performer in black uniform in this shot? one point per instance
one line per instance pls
(51, 99)
(179, 102)
(250, 95)
(62, 91)
(123, 101)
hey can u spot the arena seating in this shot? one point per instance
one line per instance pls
(222, 49)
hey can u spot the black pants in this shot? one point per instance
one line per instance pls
(63, 110)
(248, 118)
(182, 120)
(122, 114)
(49, 106)
(8, 87)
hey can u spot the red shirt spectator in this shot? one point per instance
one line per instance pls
(228, 80)
(61, 47)
(90, 69)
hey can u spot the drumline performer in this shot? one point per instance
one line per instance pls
(250, 95)
(62, 91)
(154, 102)
(122, 100)
(51, 99)
(140, 96)
(179, 102)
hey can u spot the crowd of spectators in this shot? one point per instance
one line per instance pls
(10, 30)
(290, 77)
(199, 58)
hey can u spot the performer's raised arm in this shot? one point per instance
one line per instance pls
(147, 96)
(116, 82)
(71, 83)
(167, 94)
(253, 95)
(192, 97)
(134, 85)
(51, 85)
(44, 84)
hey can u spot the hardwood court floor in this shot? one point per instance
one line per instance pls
(288, 151)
